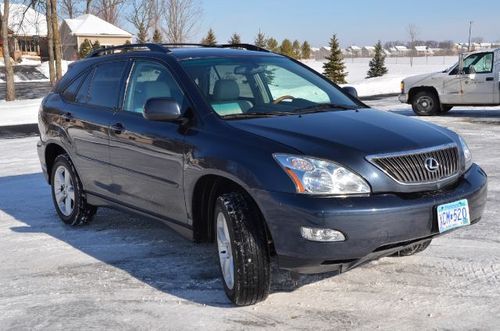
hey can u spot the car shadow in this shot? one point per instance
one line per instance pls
(146, 249)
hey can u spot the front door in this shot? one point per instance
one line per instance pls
(147, 157)
(479, 85)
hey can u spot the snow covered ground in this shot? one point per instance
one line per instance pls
(399, 68)
(19, 112)
(127, 272)
(40, 70)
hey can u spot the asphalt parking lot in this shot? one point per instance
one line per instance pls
(127, 272)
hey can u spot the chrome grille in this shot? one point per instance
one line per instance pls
(410, 168)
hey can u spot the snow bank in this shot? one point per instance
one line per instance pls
(399, 69)
(19, 112)
(44, 67)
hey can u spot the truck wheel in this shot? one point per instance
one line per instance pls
(67, 193)
(426, 103)
(414, 249)
(243, 251)
(445, 109)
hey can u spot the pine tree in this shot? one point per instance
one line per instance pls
(334, 68)
(260, 40)
(272, 45)
(210, 38)
(157, 37)
(96, 45)
(235, 39)
(296, 49)
(377, 64)
(306, 50)
(286, 48)
(142, 34)
(85, 49)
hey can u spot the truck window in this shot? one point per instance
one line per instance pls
(482, 63)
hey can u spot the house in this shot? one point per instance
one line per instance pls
(27, 32)
(422, 50)
(401, 50)
(368, 51)
(75, 31)
(354, 50)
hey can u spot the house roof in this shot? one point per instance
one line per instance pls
(90, 25)
(25, 21)
(421, 48)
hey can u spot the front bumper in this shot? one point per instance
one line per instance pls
(403, 98)
(374, 226)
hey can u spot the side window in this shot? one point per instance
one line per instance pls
(70, 92)
(83, 92)
(150, 80)
(104, 89)
(482, 63)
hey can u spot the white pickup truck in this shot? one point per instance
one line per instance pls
(473, 81)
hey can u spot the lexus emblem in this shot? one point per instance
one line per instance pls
(431, 164)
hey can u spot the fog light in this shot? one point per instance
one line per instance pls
(324, 235)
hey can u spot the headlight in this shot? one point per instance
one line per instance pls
(315, 176)
(467, 154)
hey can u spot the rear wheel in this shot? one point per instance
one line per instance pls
(67, 193)
(426, 103)
(414, 249)
(242, 249)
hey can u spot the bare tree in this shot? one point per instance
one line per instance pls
(56, 36)
(180, 19)
(412, 30)
(69, 8)
(50, 41)
(109, 10)
(141, 18)
(10, 94)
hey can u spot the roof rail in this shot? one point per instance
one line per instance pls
(249, 47)
(184, 44)
(110, 50)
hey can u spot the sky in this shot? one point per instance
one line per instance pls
(360, 22)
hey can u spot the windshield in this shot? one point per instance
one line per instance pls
(241, 87)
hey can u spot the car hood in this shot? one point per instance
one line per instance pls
(412, 80)
(348, 137)
(364, 131)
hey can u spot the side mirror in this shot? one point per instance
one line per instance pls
(162, 109)
(351, 91)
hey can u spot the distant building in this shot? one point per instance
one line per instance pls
(368, 51)
(354, 50)
(423, 50)
(75, 31)
(401, 50)
(27, 32)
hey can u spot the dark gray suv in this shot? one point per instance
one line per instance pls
(256, 152)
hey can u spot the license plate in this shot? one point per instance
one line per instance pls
(453, 215)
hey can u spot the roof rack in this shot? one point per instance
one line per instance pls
(249, 47)
(111, 50)
(164, 48)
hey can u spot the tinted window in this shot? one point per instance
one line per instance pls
(104, 90)
(70, 93)
(150, 80)
(83, 92)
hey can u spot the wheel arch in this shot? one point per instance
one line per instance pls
(205, 192)
(414, 90)
(52, 151)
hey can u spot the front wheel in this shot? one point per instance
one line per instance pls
(426, 103)
(67, 193)
(242, 249)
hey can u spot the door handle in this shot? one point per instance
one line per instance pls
(490, 79)
(117, 128)
(67, 117)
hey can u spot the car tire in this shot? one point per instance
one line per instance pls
(67, 193)
(445, 109)
(242, 249)
(426, 103)
(414, 249)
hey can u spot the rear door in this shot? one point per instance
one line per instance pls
(147, 157)
(89, 104)
(479, 86)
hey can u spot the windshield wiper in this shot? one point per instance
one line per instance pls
(257, 115)
(323, 107)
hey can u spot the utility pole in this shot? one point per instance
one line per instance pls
(470, 33)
